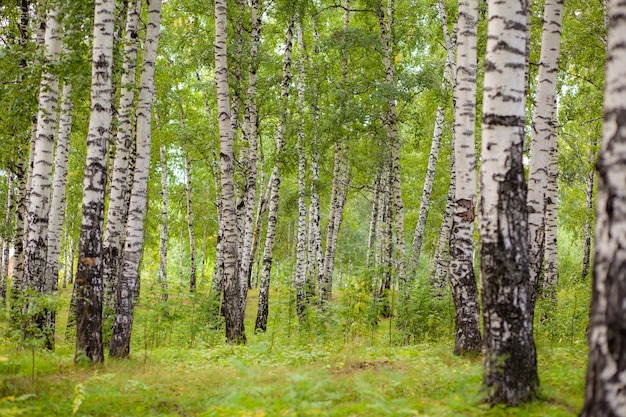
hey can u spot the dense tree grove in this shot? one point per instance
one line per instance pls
(209, 148)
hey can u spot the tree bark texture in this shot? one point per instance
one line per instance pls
(163, 231)
(35, 250)
(135, 228)
(589, 180)
(89, 283)
(272, 215)
(192, 235)
(4, 272)
(551, 261)
(117, 213)
(543, 137)
(231, 307)
(440, 274)
(605, 393)
(462, 278)
(509, 354)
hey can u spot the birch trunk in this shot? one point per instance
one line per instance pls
(163, 234)
(509, 354)
(439, 279)
(371, 236)
(551, 264)
(18, 239)
(192, 236)
(134, 239)
(272, 215)
(250, 132)
(588, 219)
(89, 280)
(605, 393)
(543, 135)
(462, 278)
(38, 211)
(7, 240)
(117, 213)
(418, 236)
(300, 278)
(231, 307)
(217, 285)
(385, 19)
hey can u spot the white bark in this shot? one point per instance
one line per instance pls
(119, 190)
(134, 239)
(163, 233)
(543, 138)
(89, 284)
(7, 238)
(192, 235)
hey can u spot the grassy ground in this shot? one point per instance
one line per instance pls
(279, 373)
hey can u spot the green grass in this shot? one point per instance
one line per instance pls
(180, 368)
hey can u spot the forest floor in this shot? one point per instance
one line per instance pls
(274, 375)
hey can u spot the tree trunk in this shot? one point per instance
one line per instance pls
(192, 235)
(231, 306)
(449, 67)
(35, 250)
(462, 278)
(605, 393)
(134, 239)
(543, 136)
(250, 133)
(165, 198)
(272, 215)
(217, 285)
(588, 219)
(551, 264)
(89, 284)
(7, 239)
(300, 277)
(509, 354)
(439, 277)
(117, 213)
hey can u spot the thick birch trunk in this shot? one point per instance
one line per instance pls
(543, 135)
(462, 278)
(588, 219)
(89, 283)
(165, 198)
(134, 239)
(509, 354)
(250, 133)
(605, 393)
(38, 212)
(192, 236)
(272, 215)
(231, 306)
(117, 213)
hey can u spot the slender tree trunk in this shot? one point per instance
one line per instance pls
(385, 19)
(135, 229)
(462, 278)
(272, 215)
(371, 237)
(551, 264)
(300, 277)
(250, 133)
(231, 306)
(165, 198)
(509, 354)
(192, 236)
(117, 213)
(89, 280)
(418, 236)
(439, 277)
(18, 239)
(217, 285)
(35, 250)
(605, 393)
(588, 219)
(543, 135)
(7, 240)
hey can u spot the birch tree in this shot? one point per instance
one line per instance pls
(543, 142)
(163, 231)
(605, 393)
(38, 212)
(135, 228)
(4, 271)
(275, 179)
(462, 278)
(231, 305)
(509, 354)
(192, 235)
(89, 284)
(121, 171)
